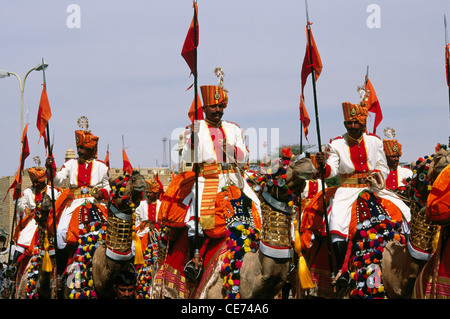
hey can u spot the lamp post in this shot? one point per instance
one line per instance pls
(41, 66)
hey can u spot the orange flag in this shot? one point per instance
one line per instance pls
(127, 168)
(311, 51)
(24, 154)
(304, 117)
(44, 113)
(316, 60)
(373, 105)
(191, 112)
(191, 42)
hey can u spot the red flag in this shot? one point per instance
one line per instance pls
(161, 187)
(373, 105)
(307, 66)
(304, 117)
(191, 42)
(127, 168)
(191, 112)
(316, 61)
(447, 66)
(24, 154)
(44, 114)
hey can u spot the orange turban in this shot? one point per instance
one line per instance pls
(152, 186)
(392, 148)
(213, 95)
(86, 139)
(355, 111)
(37, 174)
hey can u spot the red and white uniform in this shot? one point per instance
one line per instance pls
(81, 176)
(396, 178)
(312, 187)
(146, 212)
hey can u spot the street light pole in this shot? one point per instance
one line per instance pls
(41, 66)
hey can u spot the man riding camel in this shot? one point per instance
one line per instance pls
(26, 229)
(217, 151)
(358, 158)
(88, 180)
(220, 149)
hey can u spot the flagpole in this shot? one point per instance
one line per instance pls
(447, 61)
(301, 129)
(321, 168)
(50, 154)
(196, 166)
(367, 76)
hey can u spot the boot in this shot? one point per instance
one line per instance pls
(340, 250)
(193, 268)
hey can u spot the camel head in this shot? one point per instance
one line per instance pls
(127, 191)
(299, 170)
(419, 185)
(42, 210)
(440, 160)
(286, 176)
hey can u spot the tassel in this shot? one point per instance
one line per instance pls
(436, 239)
(304, 274)
(46, 263)
(138, 255)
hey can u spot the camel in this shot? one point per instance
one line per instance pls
(106, 256)
(264, 267)
(400, 264)
(400, 280)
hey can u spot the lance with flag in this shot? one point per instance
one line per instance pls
(312, 64)
(189, 53)
(127, 167)
(42, 124)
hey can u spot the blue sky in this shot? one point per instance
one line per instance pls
(121, 67)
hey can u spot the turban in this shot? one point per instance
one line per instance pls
(152, 186)
(37, 174)
(355, 111)
(392, 148)
(213, 95)
(86, 139)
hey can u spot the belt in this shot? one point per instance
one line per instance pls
(216, 168)
(354, 180)
(82, 192)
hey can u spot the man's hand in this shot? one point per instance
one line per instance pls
(321, 159)
(195, 127)
(49, 162)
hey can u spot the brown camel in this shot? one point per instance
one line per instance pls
(115, 252)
